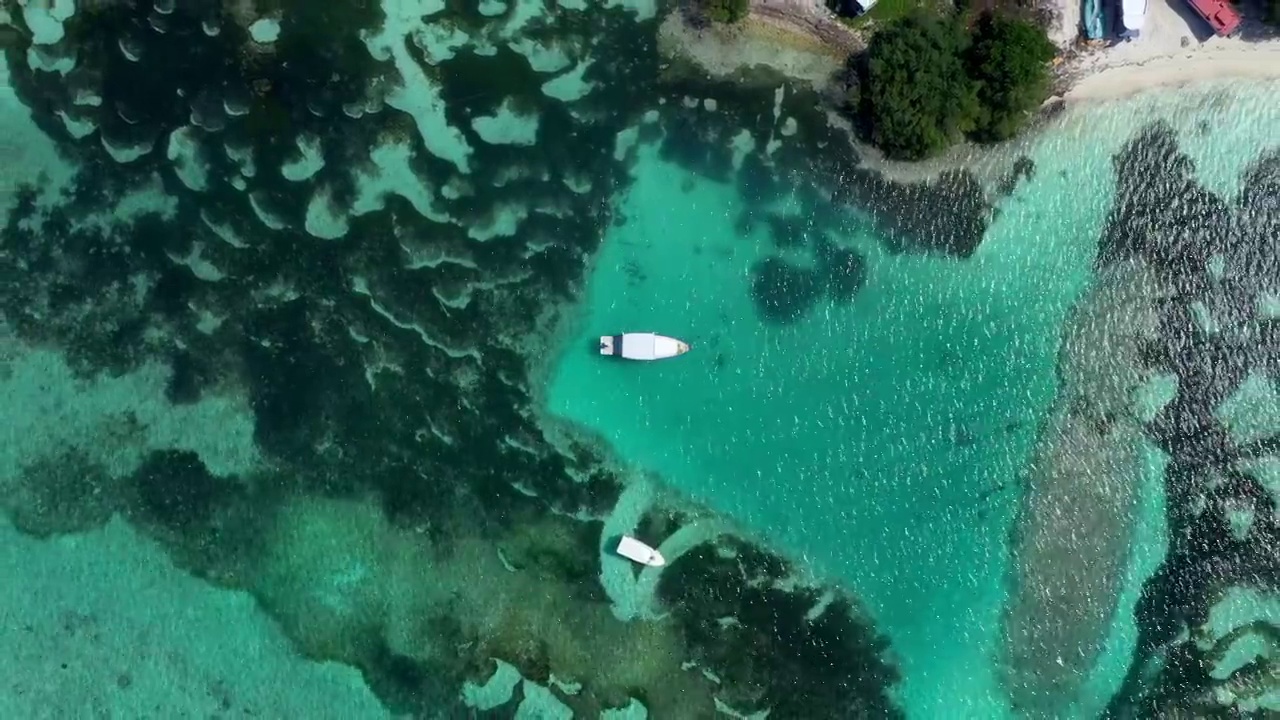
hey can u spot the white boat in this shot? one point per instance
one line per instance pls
(1133, 16)
(632, 549)
(642, 346)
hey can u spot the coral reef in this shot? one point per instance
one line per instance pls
(783, 292)
(737, 608)
(294, 207)
(1217, 259)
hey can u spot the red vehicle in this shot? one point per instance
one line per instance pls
(1218, 13)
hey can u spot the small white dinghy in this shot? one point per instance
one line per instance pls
(642, 346)
(632, 549)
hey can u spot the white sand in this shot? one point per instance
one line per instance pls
(1168, 54)
(1224, 60)
(801, 39)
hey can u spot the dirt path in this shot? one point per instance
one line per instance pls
(810, 18)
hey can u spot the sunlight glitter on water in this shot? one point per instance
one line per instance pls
(880, 440)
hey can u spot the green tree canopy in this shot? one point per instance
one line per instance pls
(726, 11)
(1009, 62)
(918, 98)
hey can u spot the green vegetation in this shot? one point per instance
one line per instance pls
(1008, 60)
(726, 11)
(1271, 12)
(917, 96)
(926, 82)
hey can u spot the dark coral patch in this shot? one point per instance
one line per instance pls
(762, 637)
(177, 491)
(844, 269)
(783, 292)
(1164, 218)
(788, 231)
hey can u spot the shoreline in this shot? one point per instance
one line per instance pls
(800, 39)
(811, 37)
(804, 41)
(1242, 60)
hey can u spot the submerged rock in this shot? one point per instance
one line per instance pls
(845, 270)
(1194, 658)
(783, 293)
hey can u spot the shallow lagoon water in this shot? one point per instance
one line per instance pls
(877, 441)
(880, 440)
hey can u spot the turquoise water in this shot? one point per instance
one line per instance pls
(879, 441)
(278, 274)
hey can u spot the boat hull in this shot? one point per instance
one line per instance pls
(636, 551)
(642, 346)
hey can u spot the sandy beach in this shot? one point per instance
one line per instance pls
(805, 40)
(1173, 50)
(1235, 61)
